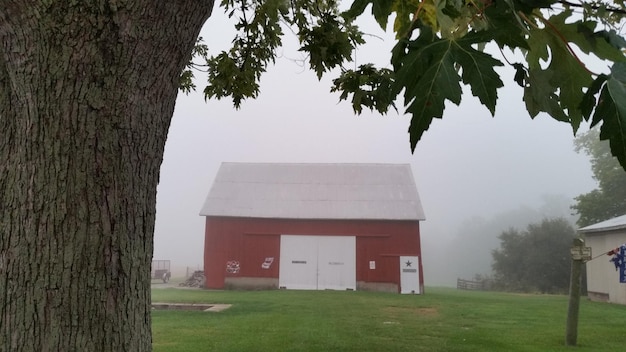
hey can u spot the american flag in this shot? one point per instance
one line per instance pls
(622, 267)
(619, 259)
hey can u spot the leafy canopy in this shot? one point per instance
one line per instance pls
(609, 199)
(440, 47)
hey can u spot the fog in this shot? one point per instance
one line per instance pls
(471, 170)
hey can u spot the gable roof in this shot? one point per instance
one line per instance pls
(617, 223)
(314, 191)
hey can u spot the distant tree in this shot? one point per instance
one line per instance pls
(609, 199)
(479, 236)
(535, 260)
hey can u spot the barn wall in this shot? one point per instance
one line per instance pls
(602, 278)
(250, 242)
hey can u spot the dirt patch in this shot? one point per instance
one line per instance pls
(191, 306)
(427, 311)
(421, 311)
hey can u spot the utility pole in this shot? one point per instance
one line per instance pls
(580, 253)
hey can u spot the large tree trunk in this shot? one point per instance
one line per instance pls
(87, 91)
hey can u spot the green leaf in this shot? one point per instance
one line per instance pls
(430, 69)
(381, 9)
(478, 72)
(327, 43)
(582, 34)
(540, 95)
(520, 74)
(613, 38)
(405, 10)
(370, 88)
(227, 79)
(439, 82)
(568, 76)
(505, 26)
(614, 117)
(426, 73)
(427, 69)
(356, 9)
(411, 58)
(588, 102)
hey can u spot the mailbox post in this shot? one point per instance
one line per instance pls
(580, 254)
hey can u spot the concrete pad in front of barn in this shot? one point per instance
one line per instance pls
(190, 306)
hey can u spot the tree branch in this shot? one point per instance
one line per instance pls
(595, 7)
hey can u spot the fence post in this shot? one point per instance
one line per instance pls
(571, 330)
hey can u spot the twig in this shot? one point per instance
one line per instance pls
(595, 7)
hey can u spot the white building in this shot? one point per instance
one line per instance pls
(602, 278)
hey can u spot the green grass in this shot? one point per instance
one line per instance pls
(441, 320)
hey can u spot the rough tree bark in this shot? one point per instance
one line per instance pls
(87, 91)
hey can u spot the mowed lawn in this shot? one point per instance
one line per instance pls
(441, 320)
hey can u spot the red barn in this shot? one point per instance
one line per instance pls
(314, 226)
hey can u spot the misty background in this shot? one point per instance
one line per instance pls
(477, 175)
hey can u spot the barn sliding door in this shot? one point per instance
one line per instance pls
(336, 263)
(317, 262)
(298, 262)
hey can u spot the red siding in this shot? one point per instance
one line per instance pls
(249, 241)
(254, 250)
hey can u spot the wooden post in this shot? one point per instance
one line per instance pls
(571, 330)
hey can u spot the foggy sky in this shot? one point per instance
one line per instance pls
(466, 165)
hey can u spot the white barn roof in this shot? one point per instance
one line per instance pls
(607, 225)
(314, 191)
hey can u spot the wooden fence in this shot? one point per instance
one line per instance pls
(470, 285)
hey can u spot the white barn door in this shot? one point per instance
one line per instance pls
(336, 263)
(317, 262)
(298, 263)
(409, 275)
